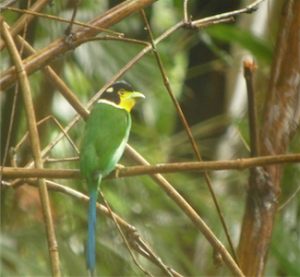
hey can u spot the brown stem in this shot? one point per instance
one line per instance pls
(281, 118)
(249, 68)
(60, 46)
(133, 236)
(35, 146)
(191, 213)
(25, 19)
(188, 132)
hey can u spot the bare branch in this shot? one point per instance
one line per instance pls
(239, 164)
(35, 146)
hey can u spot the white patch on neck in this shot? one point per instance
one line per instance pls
(104, 101)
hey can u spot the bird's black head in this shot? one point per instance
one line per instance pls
(122, 94)
(112, 93)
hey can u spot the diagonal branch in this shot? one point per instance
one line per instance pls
(191, 213)
(188, 132)
(133, 236)
(61, 46)
(25, 19)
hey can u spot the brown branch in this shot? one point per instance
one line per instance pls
(280, 121)
(109, 18)
(133, 236)
(191, 213)
(60, 19)
(239, 164)
(75, 102)
(219, 17)
(188, 131)
(186, 16)
(35, 146)
(60, 46)
(126, 242)
(249, 68)
(25, 19)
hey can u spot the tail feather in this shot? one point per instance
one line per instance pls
(91, 241)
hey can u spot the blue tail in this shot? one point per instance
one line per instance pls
(91, 241)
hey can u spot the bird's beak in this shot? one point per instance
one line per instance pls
(129, 98)
(134, 95)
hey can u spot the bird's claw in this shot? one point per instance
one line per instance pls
(117, 169)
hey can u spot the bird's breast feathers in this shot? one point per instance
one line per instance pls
(105, 138)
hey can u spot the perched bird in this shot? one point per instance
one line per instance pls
(104, 140)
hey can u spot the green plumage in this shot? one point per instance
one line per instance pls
(105, 137)
(104, 141)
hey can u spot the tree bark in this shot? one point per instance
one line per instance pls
(280, 121)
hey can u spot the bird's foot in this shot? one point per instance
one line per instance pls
(117, 169)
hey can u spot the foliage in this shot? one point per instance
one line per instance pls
(157, 134)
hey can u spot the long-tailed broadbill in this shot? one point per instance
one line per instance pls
(106, 134)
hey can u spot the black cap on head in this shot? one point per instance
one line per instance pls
(111, 92)
(121, 85)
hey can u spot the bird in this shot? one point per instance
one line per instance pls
(103, 143)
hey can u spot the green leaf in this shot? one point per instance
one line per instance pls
(260, 48)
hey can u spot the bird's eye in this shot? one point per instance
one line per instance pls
(121, 91)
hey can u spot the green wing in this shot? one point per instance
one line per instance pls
(104, 141)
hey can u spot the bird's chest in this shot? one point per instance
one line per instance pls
(106, 135)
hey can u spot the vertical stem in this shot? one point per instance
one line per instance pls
(35, 145)
(280, 121)
(185, 11)
(68, 31)
(249, 67)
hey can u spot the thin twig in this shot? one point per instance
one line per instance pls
(190, 212)
(68, 31)
(59, 46)
(63, 20)
(10, 126)
(25, 19)
(249, 68)
(35, 146)
(6, 3)
(145, 250)
(15, 97)
(74, 101)
(49, 117)
(108, 37)
(284, 204)
(249, 9)
(188, 132)
(135, 240)
(124, 237)
(61, 160)
(186, 17)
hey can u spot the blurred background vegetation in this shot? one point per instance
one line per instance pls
(204, 69)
